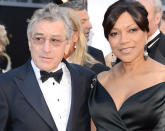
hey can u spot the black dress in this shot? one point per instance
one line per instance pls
(143, 111)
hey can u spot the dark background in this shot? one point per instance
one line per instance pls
(15, 20)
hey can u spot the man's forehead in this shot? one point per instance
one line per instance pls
(43, 34)
(49, 24)
(40, 28)
(82, 14)
(146, 2)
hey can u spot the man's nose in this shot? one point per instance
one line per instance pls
(89, 25)
(47, 46)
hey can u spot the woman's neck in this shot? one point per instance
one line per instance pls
(134, 67)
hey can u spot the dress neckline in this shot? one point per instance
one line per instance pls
(130, 97)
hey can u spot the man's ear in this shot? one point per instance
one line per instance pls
(29, 43)
(67, 47)
(146, 37)
(158, 17)
(71, 44)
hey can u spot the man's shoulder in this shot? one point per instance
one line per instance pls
(13, 73)
(162, 36)
(97, 68)
(96, 53)
(161, 44)
(81, 69)
(76, 68)
(90, 48)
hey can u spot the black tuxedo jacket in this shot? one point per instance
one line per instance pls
(97, 68)
(23, 108)
(157, 51)
(97, 54)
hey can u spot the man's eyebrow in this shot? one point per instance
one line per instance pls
(38, 33)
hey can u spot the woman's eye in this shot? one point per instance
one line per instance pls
(133, 30)
(112, 34)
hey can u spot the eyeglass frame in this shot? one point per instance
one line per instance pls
(51, 40)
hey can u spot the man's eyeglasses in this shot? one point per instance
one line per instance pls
(41, 40)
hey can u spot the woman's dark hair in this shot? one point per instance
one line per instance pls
(134, 8)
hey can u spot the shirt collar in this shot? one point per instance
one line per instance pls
(37, 70)
(153, 36)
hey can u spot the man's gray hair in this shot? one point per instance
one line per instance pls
(75, 5)
(158, 5)
(51, 12)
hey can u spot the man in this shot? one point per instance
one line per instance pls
(80, 8)
(46, 93)
(156, 41)
(162, 25)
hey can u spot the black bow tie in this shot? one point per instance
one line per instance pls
(56, 75)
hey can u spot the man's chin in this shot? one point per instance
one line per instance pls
(45, 66)
(87, 38)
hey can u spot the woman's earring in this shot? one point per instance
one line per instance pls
(113, 60)
(145, 53)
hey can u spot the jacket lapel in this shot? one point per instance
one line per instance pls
(159, 57)
(161, 44)
(28, 85)
(75, 84)
(158, 52)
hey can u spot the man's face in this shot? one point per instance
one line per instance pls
(48, 44)
(85, 22)
(153, 16)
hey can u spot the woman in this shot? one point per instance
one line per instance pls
(78, 51)
(5, 62)
(131, 96)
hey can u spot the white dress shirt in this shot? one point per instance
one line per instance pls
(57, 96)
(152, 37)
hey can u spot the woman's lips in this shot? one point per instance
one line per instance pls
(126, 50)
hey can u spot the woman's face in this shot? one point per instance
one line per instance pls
(126, 39)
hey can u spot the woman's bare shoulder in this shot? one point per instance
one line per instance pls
(159, 67)
(105, 76)
(162, 71)
(158, 70)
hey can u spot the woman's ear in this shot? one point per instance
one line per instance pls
(75, 37)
